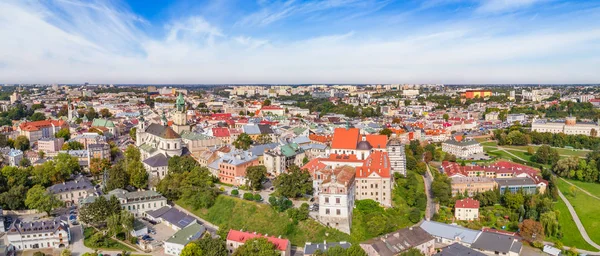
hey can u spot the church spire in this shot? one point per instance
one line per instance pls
(180, 103)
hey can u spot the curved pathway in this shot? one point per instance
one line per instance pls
(584, 234)
(584, 191)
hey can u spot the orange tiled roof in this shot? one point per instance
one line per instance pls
(377, 162)
(37, 125)
(345, 138)
(377, 141)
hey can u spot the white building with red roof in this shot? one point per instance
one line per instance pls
(272, 110)
(349, 141)
(36, 130)
(374, 179)
(466, 209)
(237, 238)
(336, 197)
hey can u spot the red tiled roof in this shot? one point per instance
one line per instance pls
(378, 162)
(242, 237)
(467, 203)
(37, 125)
(345, 138)
(220, 132)
(313, 165)
(271, 108)
(377, 141)
(319, 138)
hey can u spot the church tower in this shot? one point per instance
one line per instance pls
(140, 130)
(180, 116)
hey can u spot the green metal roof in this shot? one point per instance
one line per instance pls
(187, 234)
(291, 149)
(103, 123)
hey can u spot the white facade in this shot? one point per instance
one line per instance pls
(336, 201)
(569, 127)
(463, 149)
(38, 235)
(466, 214)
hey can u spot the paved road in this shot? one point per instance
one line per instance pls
(431, 207)
(580, 226)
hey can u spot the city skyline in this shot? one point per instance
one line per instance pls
(300, 42)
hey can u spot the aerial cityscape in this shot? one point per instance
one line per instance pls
(299, 128)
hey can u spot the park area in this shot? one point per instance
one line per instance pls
(587, 209)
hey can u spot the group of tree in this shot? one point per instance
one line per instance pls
(255, 175)
(294, 183)
(125, 172)
(205, 246)
(243, 141)
(188, 181)
(97, 213)
(353, 250)
(25, 187)
(580, 169)
(545, 155)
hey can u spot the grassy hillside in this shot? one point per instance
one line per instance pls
(234, 213)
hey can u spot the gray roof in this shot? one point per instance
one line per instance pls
(42, 226)
(162, 131)
(450, 232)
(259, 150)
(301, 140)
(314, 145)
(251, 129)
(399, 241)
(158, 160)
(310, 248)
(515, 182)
(457, 249)
(80, 183)
(496, 242)
(462, 143)
(173, 216)
(237, 157)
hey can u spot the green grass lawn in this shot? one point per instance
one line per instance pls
(105, 243)
(234, 213)
(593, 188)
(570, 233)
(586, 207)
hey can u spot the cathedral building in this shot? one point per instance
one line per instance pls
(180, 117)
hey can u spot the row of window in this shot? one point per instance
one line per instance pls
(141, 206)
(34, 235)
(337, 212)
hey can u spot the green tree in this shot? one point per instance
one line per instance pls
(91, 114)
(132, 133)
(138, 177)
(386, 131)
(98, 166)
(105, 113)
(39, 199)
(117, 177)
(255, 175)
(545, 155)
(415, 215)
(243, 141)
(513, 200)
(267, 102)
(257, 247)
(446, 116)
(37, 116)
(549, 221)
(264, 139)
(65, 166)
(22, 143)
(192, 249)
(72, 145)
(14, 198)
(295, 183)
(212, 246)
(65, 252)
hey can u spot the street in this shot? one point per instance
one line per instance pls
(431, 205)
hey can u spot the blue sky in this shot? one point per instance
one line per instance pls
(295, 41)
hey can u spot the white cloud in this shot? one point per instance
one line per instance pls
(37, 49)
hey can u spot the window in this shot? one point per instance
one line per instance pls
(326, 200)
(337, 200)
(327, 211)
(338, 212)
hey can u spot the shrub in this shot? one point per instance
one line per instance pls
(257, 197)
(235, 192)
(39, 254)
(133, 239)
(248, 196)
(415, 215)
